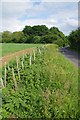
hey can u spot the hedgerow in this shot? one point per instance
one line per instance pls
(47, 88)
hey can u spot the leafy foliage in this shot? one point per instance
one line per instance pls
(74, 39)
(46, 89)
(18, 37)
(0, 37)
(6, 37)
(35, 34)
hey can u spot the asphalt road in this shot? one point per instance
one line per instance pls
(71, 55)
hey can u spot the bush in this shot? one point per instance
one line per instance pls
(74, 39)
(36, 39)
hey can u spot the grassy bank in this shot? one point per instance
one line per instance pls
(48, 88)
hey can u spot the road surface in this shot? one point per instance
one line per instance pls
(71, 55)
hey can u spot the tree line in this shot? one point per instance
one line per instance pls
(42, 34)
(35, 34)
(74, 39)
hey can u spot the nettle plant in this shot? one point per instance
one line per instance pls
(20, 83)
(39, 85)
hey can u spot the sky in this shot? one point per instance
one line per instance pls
(18, 13)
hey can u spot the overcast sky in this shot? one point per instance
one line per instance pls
(17, 14)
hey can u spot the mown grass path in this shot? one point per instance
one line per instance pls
(9, 57)
(9, 48)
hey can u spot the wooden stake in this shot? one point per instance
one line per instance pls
(23, 58)
(14, 80)
(39, 51)
(34, 54)
(5, 76)
(22, 65)
(2, 83)
(19, 74)
(30, 59)
(8, 67)
(17, 60)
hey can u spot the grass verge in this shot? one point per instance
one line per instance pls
(46, 89)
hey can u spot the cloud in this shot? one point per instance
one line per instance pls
(18, 25)
(15, 15)
(14, 9)
(16, 1)
(39, 1)
(72, 22)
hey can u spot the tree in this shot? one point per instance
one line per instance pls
(40, 30)
(59, 37)
(18, 37)
(36, 39)
(28, 30)
(0, 37)
(25, 38)
(36, 34)
(48, 38)
(74, 39)
(6, 37)
(54, 30)
(60, 42)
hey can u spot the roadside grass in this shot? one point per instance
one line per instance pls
(8, 48)
(79, 91)
(48, 88)
(0, 49)
(64, 77)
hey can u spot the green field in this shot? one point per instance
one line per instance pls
(8, 48)
(46, 89)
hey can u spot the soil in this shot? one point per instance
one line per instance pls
(66, 51)
(9, 57)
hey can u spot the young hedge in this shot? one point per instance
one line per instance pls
(48, 88)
